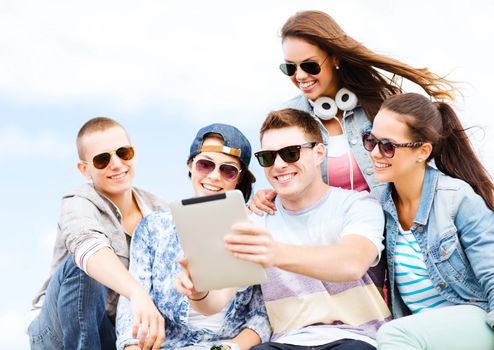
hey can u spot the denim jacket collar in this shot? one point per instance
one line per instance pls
(426, 198)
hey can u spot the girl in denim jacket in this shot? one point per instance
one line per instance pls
(331, 69)
(439, 227)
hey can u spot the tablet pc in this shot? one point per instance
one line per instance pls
(201, 223)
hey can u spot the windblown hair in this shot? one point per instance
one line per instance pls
(289, 117)
(358, 67)
(438, 124)
(95, 125)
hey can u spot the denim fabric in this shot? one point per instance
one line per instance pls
(76, 301)
(354, 122)
(154, 252)
(455, 230)
(87, 215)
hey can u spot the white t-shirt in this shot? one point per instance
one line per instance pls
(211, 322)
(338, 213)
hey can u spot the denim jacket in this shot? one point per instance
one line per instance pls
(154, 252)
(455, 230)
(354, 122)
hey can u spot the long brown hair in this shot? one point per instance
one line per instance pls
(358, 67)
(438, 124)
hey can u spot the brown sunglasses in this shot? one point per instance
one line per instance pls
(101, 161)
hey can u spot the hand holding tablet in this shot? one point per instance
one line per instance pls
(201, 223)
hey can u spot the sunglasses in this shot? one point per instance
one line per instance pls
(309, 67)
(289, 154)
(101, 161)
(228, 172)
(386, 147)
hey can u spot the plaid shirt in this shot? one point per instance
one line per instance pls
(155, 250)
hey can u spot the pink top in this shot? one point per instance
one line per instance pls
(339, 157)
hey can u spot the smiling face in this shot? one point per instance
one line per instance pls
(406, 161)
(296, 183)
(296, 50)
(116, 179)
(212, 183)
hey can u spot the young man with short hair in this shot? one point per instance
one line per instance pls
(317, 247)
(90, 260)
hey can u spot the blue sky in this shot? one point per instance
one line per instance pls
(164, 69)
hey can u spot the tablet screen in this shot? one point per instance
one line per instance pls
(201, 223)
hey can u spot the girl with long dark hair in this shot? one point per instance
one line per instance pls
(439, 227)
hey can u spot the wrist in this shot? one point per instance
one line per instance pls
(199, 298)
(279, 256)
(137, 293)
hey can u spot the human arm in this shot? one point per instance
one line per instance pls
(341, 241)
(246, 339)
(262, 202)
(86, 224)
(257, 320)
(257, 325)
(474, 222)
(346, 260)
(256, 328)
(207, 303)
(129, 321)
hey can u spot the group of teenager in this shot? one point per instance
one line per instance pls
(355, 164)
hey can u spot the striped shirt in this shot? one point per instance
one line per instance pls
(412, 278)
(309, 312)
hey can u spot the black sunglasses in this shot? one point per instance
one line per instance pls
(386, 147)
(289, 154)
(310, 67)
(101, 161)
(228, 171)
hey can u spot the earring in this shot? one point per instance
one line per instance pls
(337, 67)
(420, 160)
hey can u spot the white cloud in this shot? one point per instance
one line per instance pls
(47, 242)
(210, 57)
(6, 261)
(18, 143)
(12, 325)
(128, 52)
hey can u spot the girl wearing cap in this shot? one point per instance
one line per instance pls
(342, 88)
(439, 227)
(218, 161)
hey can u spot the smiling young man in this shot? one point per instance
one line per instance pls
(77, 303)
(316, 248)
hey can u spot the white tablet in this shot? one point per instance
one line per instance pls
(201, 223)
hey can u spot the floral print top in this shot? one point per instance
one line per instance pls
(154, 252)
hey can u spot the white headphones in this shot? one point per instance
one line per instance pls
(326, 108)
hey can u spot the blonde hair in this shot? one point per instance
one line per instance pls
(94, 125)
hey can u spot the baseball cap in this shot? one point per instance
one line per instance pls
(234, 142)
